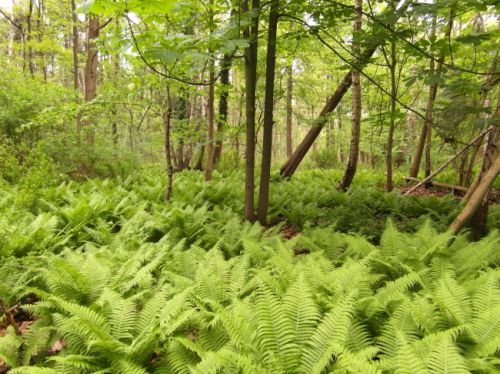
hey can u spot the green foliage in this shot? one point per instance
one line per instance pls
(411, 304)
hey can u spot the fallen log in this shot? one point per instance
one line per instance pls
(441, 185)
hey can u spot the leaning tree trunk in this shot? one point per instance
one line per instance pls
(477, 198)
(492, 152)
(251, 33)
(267, 140)
(300, 152)
(356, 103)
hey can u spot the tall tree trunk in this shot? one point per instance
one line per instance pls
(75, 50)
(211, 103)
(289, 111)
(251, 33)
(267, 141)
(425, 134)
(356, 102)
(167, 116)
(223, 105)
(92, 58)
(390, 135)
(40, 33)
(91, 67)
(29, 22)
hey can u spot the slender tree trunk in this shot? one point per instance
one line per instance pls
(267, 141)
(289, 111)
(390, 135)
(425, 135)
(223, 105)
(40, 31)
(167, 116)
(210, 108)
(75, 50)
(29, 22)
(91, 67)
(356, 102)
(250, 33)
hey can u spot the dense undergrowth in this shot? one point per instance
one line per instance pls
(121, 282)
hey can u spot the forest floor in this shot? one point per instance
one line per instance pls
(85, 247)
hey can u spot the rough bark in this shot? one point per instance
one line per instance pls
(356, 103)
(267, 141)
(92, 58)
(250, 33)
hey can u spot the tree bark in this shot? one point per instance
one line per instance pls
(75, 46)
(167, 116)
(476, 198)
(267, 141)
(29, 39)
(92, 58)
(91, 66)
(211, 103)
(250, 33)
(356, 102)
(223, 105)
(289, 111)
(390, 136)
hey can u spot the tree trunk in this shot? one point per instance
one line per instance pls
(29, 18)
(289, 111)
(390, 135)
(91, 67)
(298, 155)
(92, 58)
(425, 135)
(75, 49)
(211, 103)
(223, 105)
(267, 141)
(492, 152)
(251, 33)
(167, 116)
(356, 102)
(477, 198)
